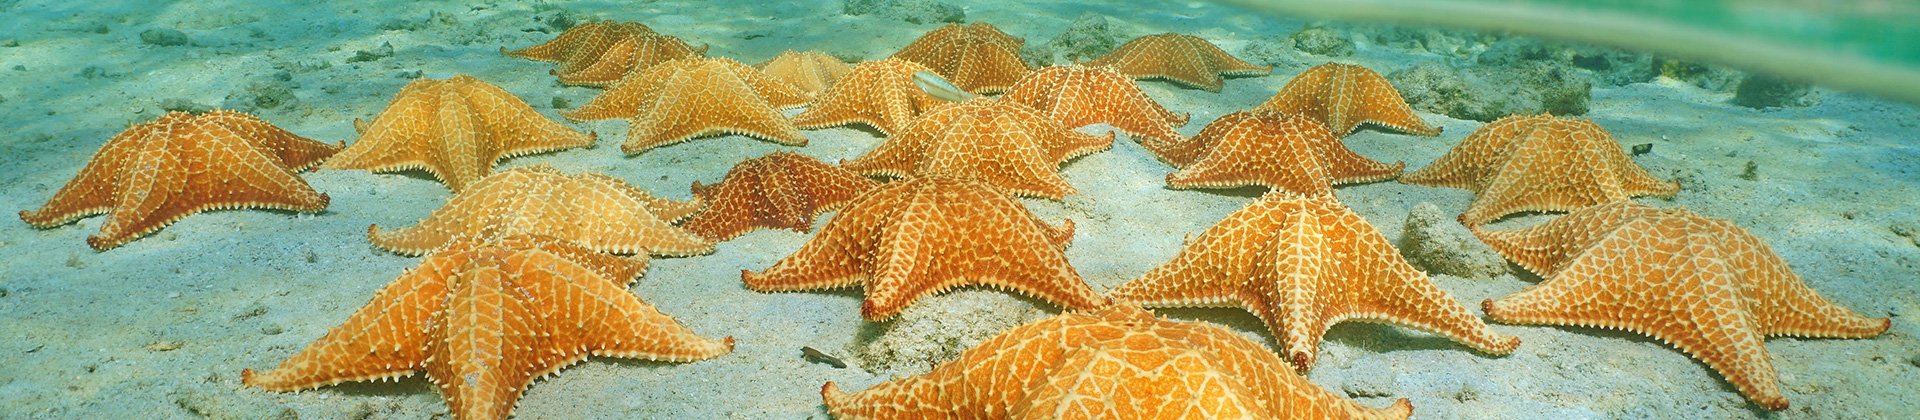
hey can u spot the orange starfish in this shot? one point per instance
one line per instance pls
(1003, 143)
(1303, 265)
(977, 57)
(597, 211)
(1343, 96)
(456, 130)
(880, 94)
(1539, 163)
(1706, 286)
(154, 174)
(599, 53)
(1119, 362)
(913, 238)
(1268, 148)
(1184, 59)
(783, 190)
(1078, 96)
(682, 99)
(483, 318)
(811, 71)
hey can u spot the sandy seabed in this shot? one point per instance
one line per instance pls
(162, 327)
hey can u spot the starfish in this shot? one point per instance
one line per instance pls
(1003, 143)
(683, 99)
(1704, 285)
(909, 239)
(484, 318)
(880, 94)
(1119, 362)
(1268, 148)
(157, 173)
(1539, 163)
(783, 190)
(1184, 59)
(1078, 96)
(597, 211)
(977, 57)
(811, 71)
(456, 130)
(1303, 265)
(1343, 96)
(599, 53)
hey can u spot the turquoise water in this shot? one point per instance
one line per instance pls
(162, 326)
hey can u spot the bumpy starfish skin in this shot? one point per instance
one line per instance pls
(1303, 265)
(484, 317)
(682, 99)
(1539, 163)
(1185, 59)
(1078, 96)
(599, 53)
(1706, 286)
(597, 211)
(909, 239)
(627, 56)
(1343, 96)
(880, 94)
(783, 190)
(1003, 143)
(977, 57)
(810, 71)
(156, 173)
(456, 130)
(1284, 152)
(1119, 363)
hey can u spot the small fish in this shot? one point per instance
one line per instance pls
(816, 356)
(939, 87)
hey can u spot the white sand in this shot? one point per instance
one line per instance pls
(246, 289)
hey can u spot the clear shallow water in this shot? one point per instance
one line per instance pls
(245, 289)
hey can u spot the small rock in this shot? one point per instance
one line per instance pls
(385, 50)
(96, 27)
(1642, 148)
(1433, 242)
(1442, 42)
(183, 105)
(272, 330)
(561, 103)
(89, 72)
(252, 311)
(937, 328)
(1484, 92)
(910, 11)
(163, 37)
(1761, 91)
(3, 292)
(270, 94)
(166, 345)
(9, 43)
(1322, 41)
(814, 355)
(1709, 77)
(411, 74)
(73, 261)
(1752, 171)
(1273, 50)
(1088, 37)
(1614, 67)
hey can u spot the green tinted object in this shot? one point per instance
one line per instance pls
(1869, 46)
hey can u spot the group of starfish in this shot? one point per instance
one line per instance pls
(525, 270)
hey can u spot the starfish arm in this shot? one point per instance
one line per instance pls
(1381, 105)
(1532, 181)
(1210, 271)
(836, 257)
(488, 345)
(1254, 152)
(1546, 248)
(292, 151)
(1140, 379)
(898, 157)
(1783, 304)
(465, 153)
(397, 139)
(383, 339)
(666, 209)
(630, 97)
(623, 221)
(729, 216)
(90, 192)
(464, 214)
(989, 68)
(1285, 393)
(1418, 303)
(1072, 144)
(245, 178)
(777, 94)
(597, 313)
(517, 129)
(556, 48)
(1227, 63)
(1286, 285)
(904, 271)
(1473, 162)
(609, 67)
(722, 106)
(1304, 94)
